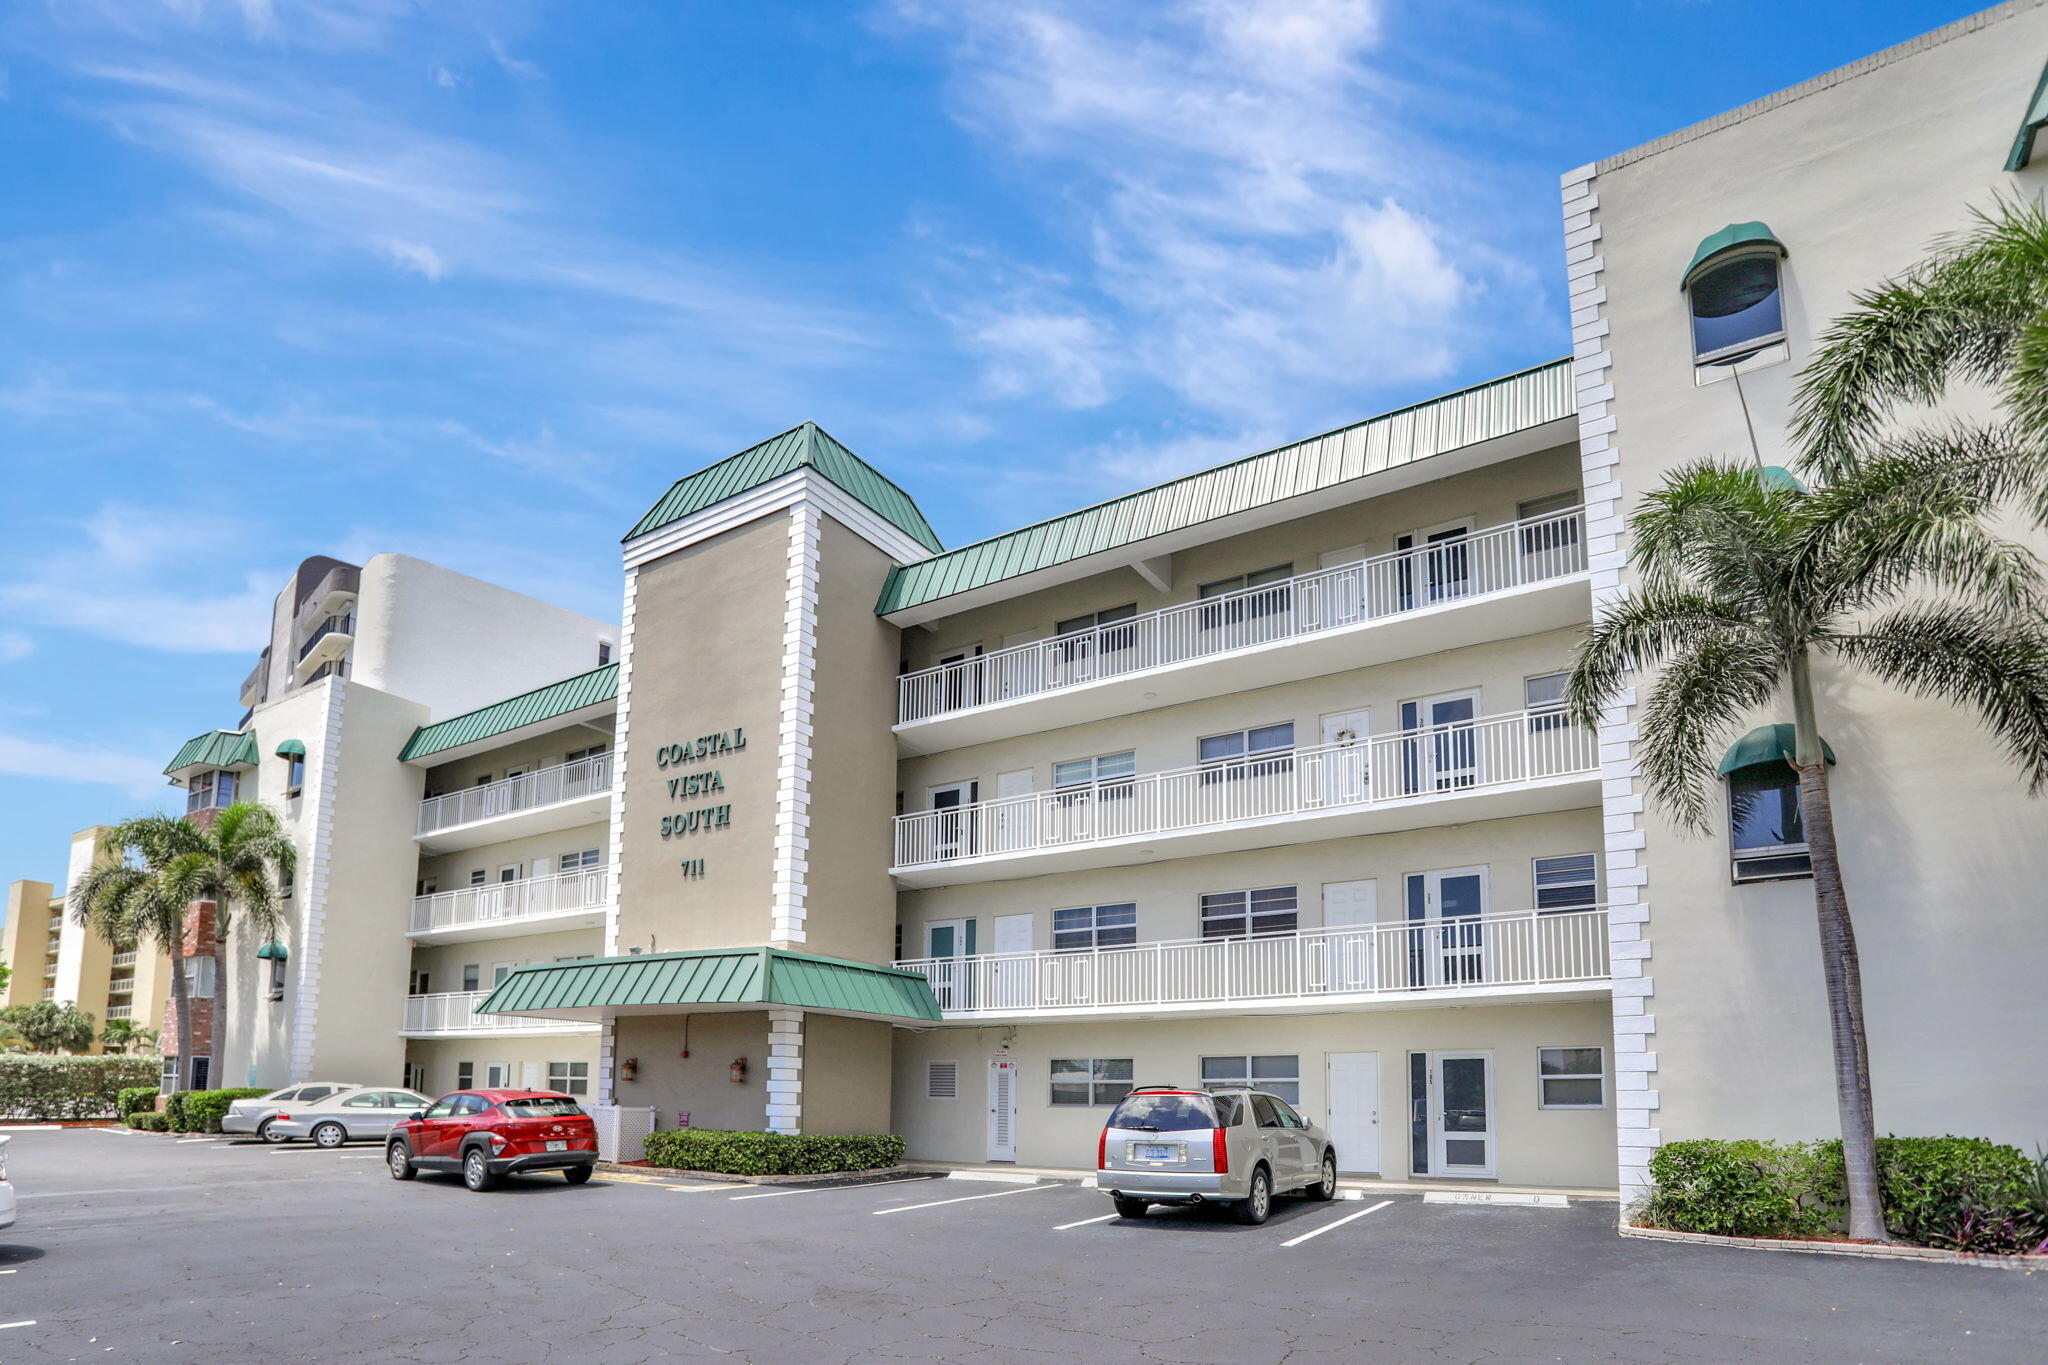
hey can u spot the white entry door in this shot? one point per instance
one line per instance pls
(1461, 1126)
(1350, 910)
(1345, 760)
(1002, 1109)
(1452, 949)
(1013, 821)
(1342, 595)
(1012, 972)
(1354, 1118)
(946, 941)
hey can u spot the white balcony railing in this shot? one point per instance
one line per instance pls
(125, 958)
(120, 985)
(120, 1012)
(1490, 561)
(1471, 756)
(455, 1012)
(1396, 961)
(500, 902)
(507, 796)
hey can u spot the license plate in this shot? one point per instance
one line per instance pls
(1154, 1151)
(558, 1146)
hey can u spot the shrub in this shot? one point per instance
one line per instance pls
(42, 1089)
(1741, 1188)
(1965, 1194)
(710, 1149)
(200, 1111)
(149, 1121)
(136, 1099)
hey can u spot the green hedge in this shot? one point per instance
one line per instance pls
(42, 1088)
(709, 1149)
(1965, 1194)
(149, 1121)
(136, 1099)
(200, 1111)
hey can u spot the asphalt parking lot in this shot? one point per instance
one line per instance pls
(137, 1246)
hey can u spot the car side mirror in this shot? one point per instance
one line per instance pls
(415, 1116)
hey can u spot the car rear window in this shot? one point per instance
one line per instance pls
(1164, 1113)
(545, 1107)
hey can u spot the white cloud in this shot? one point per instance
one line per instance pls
(14, 645)
(424, 259)
(141, 778)
(1067, 355)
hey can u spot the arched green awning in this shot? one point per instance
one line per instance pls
(1777, 476)
(291, 748)
(1726, 240)
(1766, 744)
(274, 949)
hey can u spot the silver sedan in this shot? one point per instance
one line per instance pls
(359, 1115)
(255, 1115)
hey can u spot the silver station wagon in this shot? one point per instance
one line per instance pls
(1169, 1145)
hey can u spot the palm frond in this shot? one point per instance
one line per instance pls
(1641, 631)
(1702, 693)
(1716, 524)
(1981, 660)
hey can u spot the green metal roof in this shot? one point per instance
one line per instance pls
(714, 977)
(528, 708)
(1499, 407)
(807, 444)
(1766, 744)
(2036, 119)
(1727, 239)
(291, 748)
(217, 749)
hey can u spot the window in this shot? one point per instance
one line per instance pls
(1274, 1074)
(209, 790)
(465, 1077)
(1571, 1077)
(277, 978)
(540, 1107)
(1258, 578)
(1262, 751)
(1765, 832)
(1549, 542)
(1736, 308)
(477, 876)
(1565, 882)
(1095, 620)
(415, 1078)
(604, 652)
(1106, 777)
(369, 1099)
(471, 1104)
(578, 755)
(1543, 699)
(472, 976)
(286, 884)
(589, 857)
(297, 781)
(1095, 926)
(569, 1078)
(199, 978)
(1091, 1081)
(202, 1073)
(1237, 611)
(1241, 914)
(313, 1094)
(942, 1080)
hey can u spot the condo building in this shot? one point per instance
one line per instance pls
(1258, 775)
(51, 957)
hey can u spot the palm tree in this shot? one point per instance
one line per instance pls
(137, 899)
(1747, 580)
(237, 860)
(125, 1035)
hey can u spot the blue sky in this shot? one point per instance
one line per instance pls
(475, 281)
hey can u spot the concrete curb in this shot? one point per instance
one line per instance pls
(725, 1178)
(2027, 1264)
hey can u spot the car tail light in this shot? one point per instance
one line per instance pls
(1102, 1151)
(499, 1139)
(1220, 1159)
(282, 1118)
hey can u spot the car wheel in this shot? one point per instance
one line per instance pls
(1257, 1205)
(1326, 1188)
(476, 1170)
(266, 1131)
(329, 1135)
(578, 1175)
(400, 1162)
(1129, 1208)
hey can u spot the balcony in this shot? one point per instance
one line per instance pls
(49, 971)
(1476, 959)
(125, 958)
(1495, 766)
(120, 985)
(532, 905)
(120, 1012)
(325, 645)
(539, 802)
(1517, 579)
(453, 1015)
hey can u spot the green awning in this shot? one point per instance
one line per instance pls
(713, 979)
(1727, 239)
(2036, 119)
(274, 949)
(1777, 476)
(215, 749)
(1766, 744)
(291, 748)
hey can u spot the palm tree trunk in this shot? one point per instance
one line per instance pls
(1841, 967)
(181, 1006)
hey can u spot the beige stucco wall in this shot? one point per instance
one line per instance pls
(701, 1083)
(1943, 853)
(1535, 1146)
(540, 751)
(1489, 496)
(451, 871)
(847, 1075)
(443, 962)
(26, 942)
(439, 1057)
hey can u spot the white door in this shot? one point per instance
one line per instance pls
(1461, 1128)
(533, 1076)
(1002, 1109)
(946, 940)
(1346, 756)
(1013, 820)
(1354, 1118)
(1445, 753)
(1341, 596)
(1451, 904)
(953, 828)
(1017, 672)
(1350, 910)
(497, 1075)
(1012, 970)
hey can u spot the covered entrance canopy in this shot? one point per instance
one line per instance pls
(712, 979)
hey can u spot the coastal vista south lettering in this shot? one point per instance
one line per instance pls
(702, 782)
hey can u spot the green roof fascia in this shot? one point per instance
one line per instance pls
(528, 708)
(716, 976)
(1766, 744)
(2037, 118)
(216, 749)
(804, 444)
(1498, 407)
(1727, 239)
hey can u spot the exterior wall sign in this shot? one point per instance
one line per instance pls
(703, 782)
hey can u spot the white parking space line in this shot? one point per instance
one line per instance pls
(368, 1156)
(28, 1127)
(820, 1189)
(1086, 1221)
(965, 1198)
(1349, 1217)
(9, 1272)
(25, 1322)
(183, 1141)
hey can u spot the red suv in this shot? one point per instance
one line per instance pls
(485, 1134)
